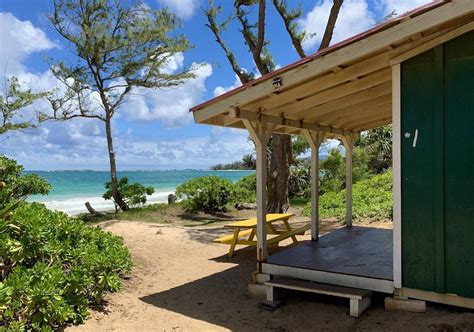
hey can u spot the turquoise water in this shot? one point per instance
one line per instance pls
(71, 189)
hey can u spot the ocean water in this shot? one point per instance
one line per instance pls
(71, 189)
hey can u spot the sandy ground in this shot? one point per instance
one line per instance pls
(183, 282)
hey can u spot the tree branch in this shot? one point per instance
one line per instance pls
(331, 24)
(216, 30)
(289, 18)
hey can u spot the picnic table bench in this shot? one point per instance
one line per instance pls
(245, 231)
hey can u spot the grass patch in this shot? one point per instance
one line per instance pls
(151, 212)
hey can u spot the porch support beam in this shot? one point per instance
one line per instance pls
(260, 134)
(314, 139)
(349, 142)
(268, 120)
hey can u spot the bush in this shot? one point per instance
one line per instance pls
(248, 183)
(133, 194)
(209, 194)
(246, 189)
(372, 199)
(57, 266)
(14, 185)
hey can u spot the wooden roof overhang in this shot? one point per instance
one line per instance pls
(346, 88)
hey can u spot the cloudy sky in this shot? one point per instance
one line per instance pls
(154, 129)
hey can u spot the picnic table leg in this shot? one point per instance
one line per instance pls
(272, 229)
(289, 229)
(252, 235)
(234, 241)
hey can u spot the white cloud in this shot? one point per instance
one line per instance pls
(183, 8)
(401, 6)
(354, 17)
(169, 107)
(220, 90)
(19, 39)
(80, 144)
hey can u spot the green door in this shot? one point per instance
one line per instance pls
(438, 169)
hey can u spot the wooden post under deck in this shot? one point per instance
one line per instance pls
(314, 139)
(260, 134)
(349, 142)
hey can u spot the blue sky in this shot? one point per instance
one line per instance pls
(154, 130)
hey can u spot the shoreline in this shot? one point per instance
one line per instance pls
(75, 206)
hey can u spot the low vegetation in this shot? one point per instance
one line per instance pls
(372, 199)
(211, 194)
(133, 194)
(53, 267)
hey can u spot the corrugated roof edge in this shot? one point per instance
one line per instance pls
(381, 27)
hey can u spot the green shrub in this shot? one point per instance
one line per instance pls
(133, 194)
(248, 182)
(372, 199)
(56, 267)
(246, 189)
(14, 185)
(209, 194)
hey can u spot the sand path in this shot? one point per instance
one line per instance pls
(182, 282)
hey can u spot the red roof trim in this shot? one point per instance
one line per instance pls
(330, 49)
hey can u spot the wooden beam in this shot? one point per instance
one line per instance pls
(337, 118)
(432, 43)
(281, 121)
(319, 65)
(334, 93)
(374, 124)
(349, 141)
(260, 134)
(449, 299)
(314, 139)
(397, 176)
(319, 84)
(319, 112)
(377, 115)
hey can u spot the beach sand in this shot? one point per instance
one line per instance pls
(183, 282)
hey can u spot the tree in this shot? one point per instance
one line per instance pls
(12, 104)
(118, 49)
(253, 33)
(378, 143)
(132, 193)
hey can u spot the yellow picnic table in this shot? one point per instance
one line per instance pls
(245, 231)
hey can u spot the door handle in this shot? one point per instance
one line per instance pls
(415, 137)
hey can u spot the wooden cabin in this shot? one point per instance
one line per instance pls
(417, 72)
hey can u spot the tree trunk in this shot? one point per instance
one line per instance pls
(113, 168)
(278, 174)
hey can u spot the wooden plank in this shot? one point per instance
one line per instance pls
(300, 106)
(373, 124)
(448, 299)
(353, 51)
(433, 43)
(314, 139)
(281, 121)
(322, 83)
(349, 142)
(318, 288)
(288, 234)
(252, 222)
(318, 112)
(362, 118)
(397, 176)
(335, 117)
(226, 239)
(376, 285)
(355, 118)
(260, 133)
